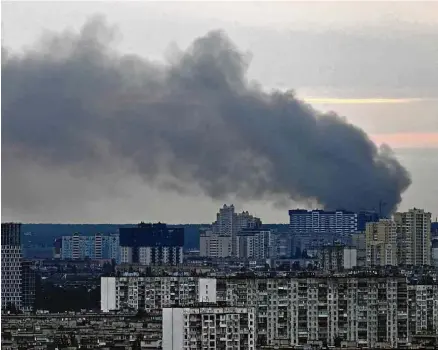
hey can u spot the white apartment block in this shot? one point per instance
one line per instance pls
(131, 291)
(350, 258)
(229, 223)
(153, 255)
(378, 311)
(11, 287)
(414, 237)
(215, 245)
(340, 221)
(381, 243)
(255, 244)
(207, 290)
(300, 311)
(94, 247)
(224, 224)
(423, 308)
(209, 328)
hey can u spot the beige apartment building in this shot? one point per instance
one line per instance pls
(381, 243)
(215, 245)
(414, 237)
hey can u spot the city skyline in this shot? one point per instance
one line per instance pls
(392, 106)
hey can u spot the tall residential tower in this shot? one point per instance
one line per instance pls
(414, 237)
(151, 244)
(11, 265)
(381, 243)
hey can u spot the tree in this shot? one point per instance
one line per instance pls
(297, 253)
(140, 313)
(73, 340)
(296, 266)
(137, 343)
(7, 335)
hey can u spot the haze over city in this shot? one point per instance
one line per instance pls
(374, 64)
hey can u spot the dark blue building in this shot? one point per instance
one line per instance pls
(151, 235)
(366, 216)
(152, 244)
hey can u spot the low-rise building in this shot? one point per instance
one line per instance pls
(83, 330)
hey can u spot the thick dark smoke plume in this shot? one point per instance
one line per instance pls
(74, 103)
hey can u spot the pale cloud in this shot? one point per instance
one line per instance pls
(360, 101)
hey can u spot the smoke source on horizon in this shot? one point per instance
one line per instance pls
(195, 122)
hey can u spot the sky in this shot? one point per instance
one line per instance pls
(374, 63)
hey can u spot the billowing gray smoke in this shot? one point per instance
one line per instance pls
(74, 103)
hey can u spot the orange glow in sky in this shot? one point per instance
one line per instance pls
(329, 100)
(407, 140)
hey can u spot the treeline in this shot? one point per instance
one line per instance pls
(55, 298)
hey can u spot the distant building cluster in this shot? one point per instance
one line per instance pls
(403, 240)
(152, 244)
(90, 330)
(320, 221)
(146, 244)
(229, 235)
(331, 243)
(95, 247)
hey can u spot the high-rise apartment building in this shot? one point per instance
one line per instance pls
(152, 244)
(209, 328)
(57, 248)
(363, 217)
(414, 237)
(435, 252)
(28, 285)
(357, 310)
(11, 265)
(282, 248)
(132, 291)
(214, 245)
(93, 247)
(320, 221)
(423, 308)
(228, 224)
(381, 243)
(225, 221)
(257, 244)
